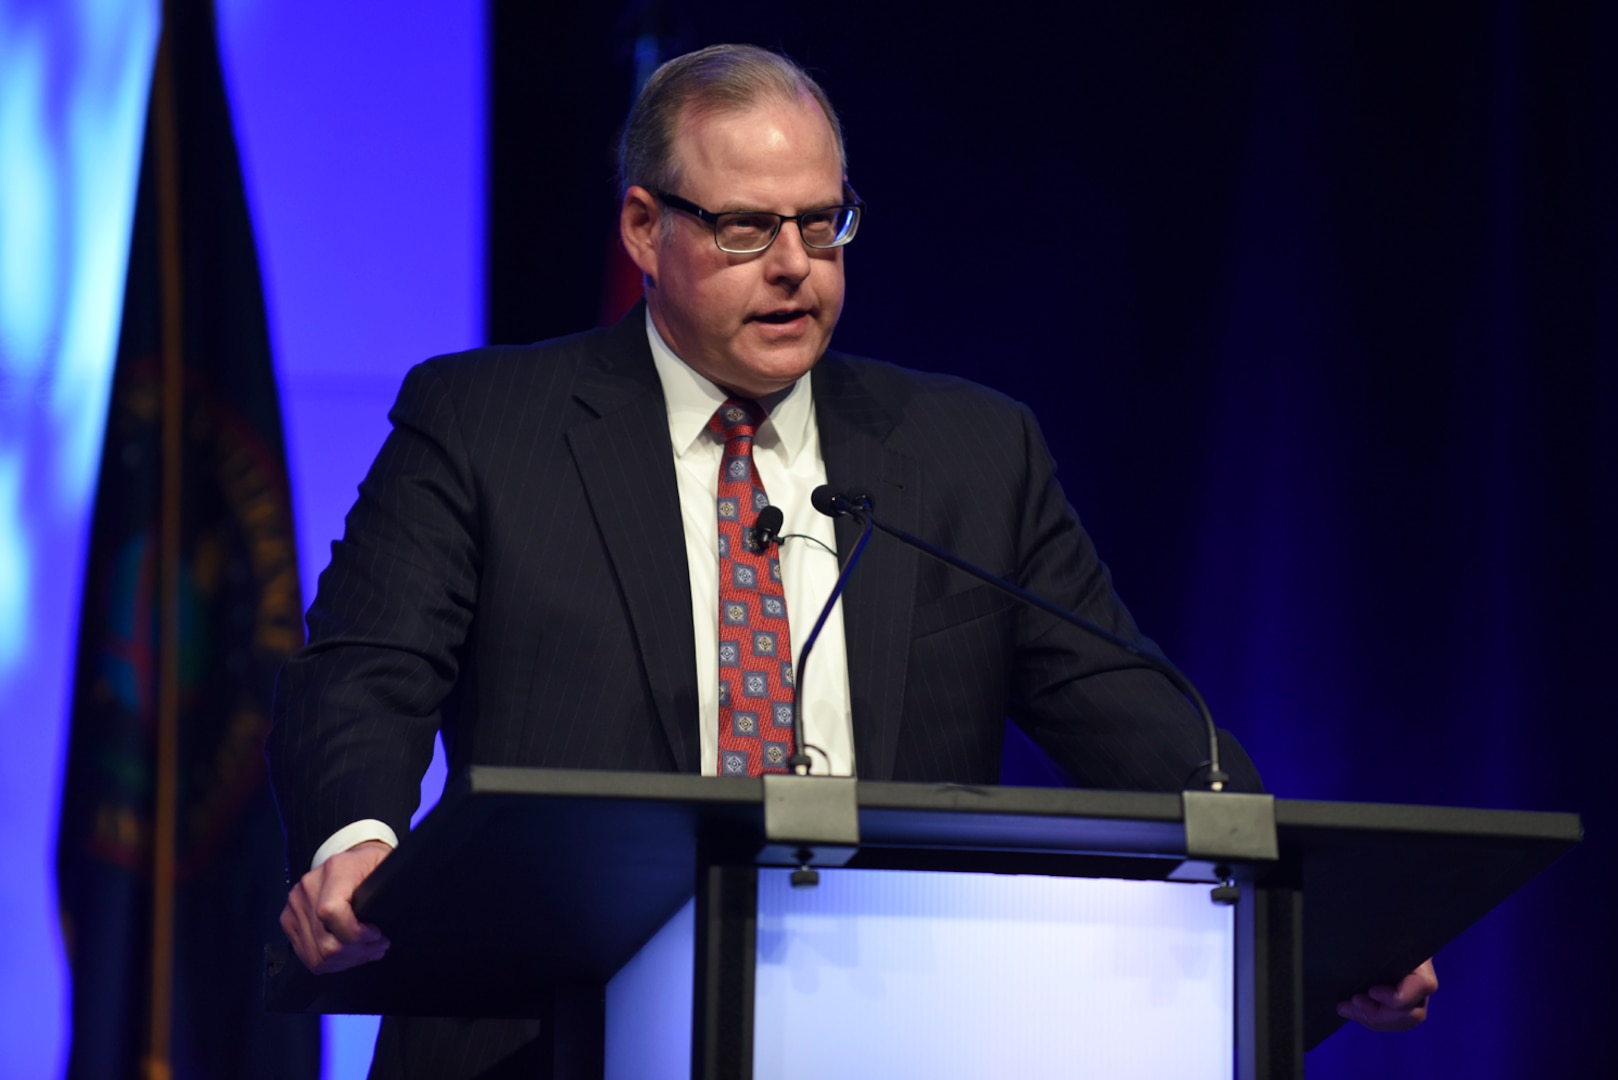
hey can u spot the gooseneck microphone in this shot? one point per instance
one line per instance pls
(799, 762)
(858, 506)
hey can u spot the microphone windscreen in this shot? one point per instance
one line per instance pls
(767, 526)
(824, 499)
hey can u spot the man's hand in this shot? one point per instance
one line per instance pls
(318, 917)
(1393, 1008)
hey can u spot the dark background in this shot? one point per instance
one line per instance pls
(1319, 307)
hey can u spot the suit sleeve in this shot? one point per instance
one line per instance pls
(1102, 713)
(356, 710)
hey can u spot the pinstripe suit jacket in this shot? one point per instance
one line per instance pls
(515, 568)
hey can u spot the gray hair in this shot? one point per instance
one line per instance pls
(718, 79)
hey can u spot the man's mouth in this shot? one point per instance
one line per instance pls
(781, 317)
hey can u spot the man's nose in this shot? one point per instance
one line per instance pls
(789, 256)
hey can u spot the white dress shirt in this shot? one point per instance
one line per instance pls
(786, 452)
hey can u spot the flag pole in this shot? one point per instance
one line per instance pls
(164, 840)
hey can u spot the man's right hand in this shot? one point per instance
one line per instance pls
(319, 919)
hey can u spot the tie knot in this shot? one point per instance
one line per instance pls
(737, 418)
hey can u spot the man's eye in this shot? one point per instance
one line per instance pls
(820, 221)
(748, 224)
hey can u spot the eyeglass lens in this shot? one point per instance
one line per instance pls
(744, 233)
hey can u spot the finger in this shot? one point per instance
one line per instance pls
(338, 919)
(313, 938)
(344, 874)
(350, 956)
(333, 907)
(1420, 984)
(1413, 990)
(1364, 1009)
(302, 934)
(326, 954)
(292, 926)
(1391, 997)
(1359, 1008)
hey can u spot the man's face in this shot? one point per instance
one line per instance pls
(750, 323)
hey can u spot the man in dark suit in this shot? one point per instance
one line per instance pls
(535, 564)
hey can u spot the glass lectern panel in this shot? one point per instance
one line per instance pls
(895, 973)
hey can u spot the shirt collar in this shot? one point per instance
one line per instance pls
(691, 400)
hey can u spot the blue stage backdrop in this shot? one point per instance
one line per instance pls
(166, 870)
(73, 79)
(361, 138)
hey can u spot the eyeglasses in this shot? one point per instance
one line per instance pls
(751, 231)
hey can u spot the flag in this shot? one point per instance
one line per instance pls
(169, 854)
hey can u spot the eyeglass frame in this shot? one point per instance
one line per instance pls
(711, 219)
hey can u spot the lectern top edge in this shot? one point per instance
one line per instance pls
(590, 783)
(1551, 826)
(880, 795)
(1292, 815)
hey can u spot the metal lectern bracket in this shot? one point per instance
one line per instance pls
(817, 815)
(1224, 828)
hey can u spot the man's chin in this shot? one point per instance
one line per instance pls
(768, 371)
(775, 382)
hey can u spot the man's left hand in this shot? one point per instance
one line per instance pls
(1393, 1008)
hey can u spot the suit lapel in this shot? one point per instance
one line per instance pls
(855, 432)
(627, 470)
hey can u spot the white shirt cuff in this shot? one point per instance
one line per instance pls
(350, 835)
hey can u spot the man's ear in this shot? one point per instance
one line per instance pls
(640, 227)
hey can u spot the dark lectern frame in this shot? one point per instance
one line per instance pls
(525, 890)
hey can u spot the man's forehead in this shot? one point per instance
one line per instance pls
(705, 131)
(698, 111)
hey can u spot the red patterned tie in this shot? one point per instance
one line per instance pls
(755, 649)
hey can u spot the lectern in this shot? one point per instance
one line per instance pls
(525, 891)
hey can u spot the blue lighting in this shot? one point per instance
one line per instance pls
(14, 564)
(73, 78)
(353, 300)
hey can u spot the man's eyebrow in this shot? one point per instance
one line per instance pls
(836, 200)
